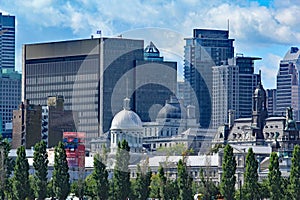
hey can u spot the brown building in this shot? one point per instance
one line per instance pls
(33, 123)
(26, 125)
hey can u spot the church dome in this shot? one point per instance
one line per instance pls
(126, 119)
(172, 110)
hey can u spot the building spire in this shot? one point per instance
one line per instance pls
(126, 101)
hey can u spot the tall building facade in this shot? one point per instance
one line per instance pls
(10, 98)
(7, 41)
(155, 82)
(271, 101)
(288, 83)
(10, 81)
(233, 86)
(94, 76)
(205, 49)
(85, 72)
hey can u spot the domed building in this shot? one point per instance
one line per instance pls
(126, 125)
(175, 124)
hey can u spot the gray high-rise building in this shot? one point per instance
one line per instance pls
(10, 98)
(7, 41)
(10, 80)
(271, 101)
(155, 82)
(85, 72)
(94, 76)
(205, 49)
(233, 87)
(288, 83)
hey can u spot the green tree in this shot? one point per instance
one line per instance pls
(171, 190)
(90, 185)
(100, 175)
(178, 149)
(50, 192)
(6, 167)
(294, 185)
(228, 180)
(251, 186)
(155, 186)
(264, 189)
(184, 181)
(40, 164)
(21, 184)
(141, 184)
(274, 178)
(78, 188)
(162, 182)
(121, 179)
(206, 187)
(61, 185)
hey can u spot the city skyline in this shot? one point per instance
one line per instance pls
(264, 29)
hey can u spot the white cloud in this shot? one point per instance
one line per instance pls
(251, 25)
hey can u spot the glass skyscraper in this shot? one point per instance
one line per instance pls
(10, 80)
(207, 48)
(7, 41)
(287, 93)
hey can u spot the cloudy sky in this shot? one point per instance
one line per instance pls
(261, 28)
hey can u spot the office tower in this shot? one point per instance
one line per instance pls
(10, 81)
(10, 98)
(288, 83)
(155, 82)
(94, 76)
(271, 101)
(205, 49)
(85, 72)
(7, 41)
(233, 86)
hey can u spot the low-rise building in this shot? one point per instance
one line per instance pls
(33, 123)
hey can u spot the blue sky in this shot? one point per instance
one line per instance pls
(265, 29)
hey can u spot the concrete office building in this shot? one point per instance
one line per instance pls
(94, 75)
(7, 41)
(155, 82)
(288, 83)
(85, 72)
(10, 98)
(205, 49)
(233, 86)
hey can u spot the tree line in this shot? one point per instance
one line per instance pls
(274, 187)
(16, 183)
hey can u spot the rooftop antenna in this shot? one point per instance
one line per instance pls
(259, 72)
(228, 25)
